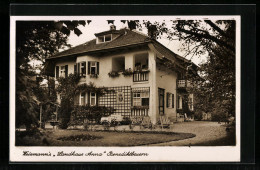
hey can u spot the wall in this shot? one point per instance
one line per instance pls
(105, 66)
(166, 79)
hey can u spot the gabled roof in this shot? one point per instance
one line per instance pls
(126, 38)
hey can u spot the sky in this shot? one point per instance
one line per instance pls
(99, 25)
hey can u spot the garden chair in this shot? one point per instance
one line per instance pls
(146, 123)
(164, 122)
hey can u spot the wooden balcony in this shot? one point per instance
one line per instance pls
(140, 76)
(183, 83)
(139, 110)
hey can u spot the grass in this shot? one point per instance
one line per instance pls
(96, 138)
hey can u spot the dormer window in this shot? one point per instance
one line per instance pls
(104, 38)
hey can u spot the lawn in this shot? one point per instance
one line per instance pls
(96, 138)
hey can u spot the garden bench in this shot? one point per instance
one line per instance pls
(164, 122)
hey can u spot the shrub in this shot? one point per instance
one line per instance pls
(218, 116)
(126, 121)
(91, 113)
(64, 113)
(127, 72)
(198, 115)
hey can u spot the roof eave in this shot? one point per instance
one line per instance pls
(100, 50)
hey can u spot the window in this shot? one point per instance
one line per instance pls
(82, 99)
(141, 61)
(93, 67)
(92, 99)
(118, 64)
(141, 98)
(179, 102)
(104, 38)
(61, 71)
(81, 69)
(170, 100)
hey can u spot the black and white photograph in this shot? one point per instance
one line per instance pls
(125, 88)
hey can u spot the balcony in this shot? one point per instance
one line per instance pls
(139, 110)
(140, 76)
(183, 84)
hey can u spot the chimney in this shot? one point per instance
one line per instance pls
(112, 27)
(152, 31)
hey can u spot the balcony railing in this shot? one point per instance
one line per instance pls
(183, 83)
(139, 111)
(139, 76)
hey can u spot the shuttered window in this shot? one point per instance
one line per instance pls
(82, 99)
(62, 71)
(93, 67)
(80, 68)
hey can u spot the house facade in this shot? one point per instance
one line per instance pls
(146, 78)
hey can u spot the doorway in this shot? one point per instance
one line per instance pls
(161, 101)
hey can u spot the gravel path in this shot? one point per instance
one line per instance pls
(205, 131)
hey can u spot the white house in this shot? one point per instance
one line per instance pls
(152, 88)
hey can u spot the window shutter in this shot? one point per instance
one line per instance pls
(57, 71)
(66, 70)
(172, 100)
(88, 98)
(98, 68)
(84, 70)
(78, 68)
(167, 103)
(89, 67)
(75, 68)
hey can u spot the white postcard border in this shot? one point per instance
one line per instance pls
(155, 154)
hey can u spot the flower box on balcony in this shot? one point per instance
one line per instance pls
(142, 71)
(113, 74)
(127, 72)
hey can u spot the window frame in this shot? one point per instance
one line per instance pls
(170, 100)
(140, 97)
(96, 66)
(90, 99)
(80, 98)
(62, 71)
(82, 66)
(103, 37)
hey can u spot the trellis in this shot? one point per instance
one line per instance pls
(109, 99)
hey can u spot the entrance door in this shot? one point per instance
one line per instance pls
(161, 101)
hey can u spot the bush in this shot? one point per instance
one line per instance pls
(198, 116)
(218, 116)
(91, 113)
(126, 121)
(64, 113)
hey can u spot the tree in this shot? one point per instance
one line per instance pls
(68, 88)
(215, 87)
(36, 40)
